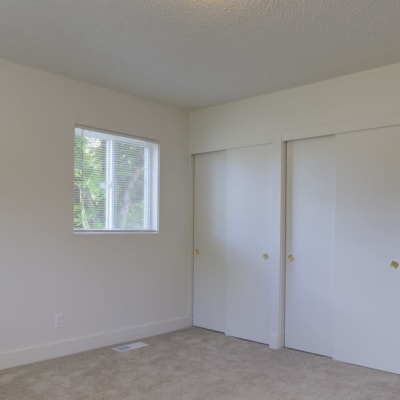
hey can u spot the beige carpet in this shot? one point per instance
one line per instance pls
(196, 364)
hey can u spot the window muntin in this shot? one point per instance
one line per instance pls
(115, 182)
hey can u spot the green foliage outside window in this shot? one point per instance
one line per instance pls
(112, 183)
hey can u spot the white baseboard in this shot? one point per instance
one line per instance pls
(47, 351)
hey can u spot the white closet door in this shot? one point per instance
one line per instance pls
(209, 241)
(310, 245)
(248, 241)
(367, 290)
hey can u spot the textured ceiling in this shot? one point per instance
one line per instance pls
(197, 53)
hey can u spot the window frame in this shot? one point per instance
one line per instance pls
(153, 204)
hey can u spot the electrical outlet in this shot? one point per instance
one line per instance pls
(58, 320)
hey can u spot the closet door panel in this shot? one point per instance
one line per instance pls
(310, 245)
(209, 241)
(367, 289)
(248, 242)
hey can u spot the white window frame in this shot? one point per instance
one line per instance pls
(151, 181)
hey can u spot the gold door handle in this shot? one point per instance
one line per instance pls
(265, 256)
(394, 264)
(197, 252)
(290, 257)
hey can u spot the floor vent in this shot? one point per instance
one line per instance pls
(131, 346)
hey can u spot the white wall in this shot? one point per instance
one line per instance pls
(364, 100)
(361, 101)
(110, 288)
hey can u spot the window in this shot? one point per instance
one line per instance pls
(115, 182)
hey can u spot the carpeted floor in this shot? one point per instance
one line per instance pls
(196, 364)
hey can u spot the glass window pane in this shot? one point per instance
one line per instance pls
(115, 182)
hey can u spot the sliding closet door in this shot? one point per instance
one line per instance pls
(209, 240)
(247, 242)
(310, 245)
(367, 292)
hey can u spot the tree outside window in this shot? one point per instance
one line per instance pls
(115, 182)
